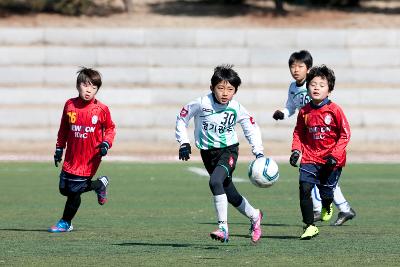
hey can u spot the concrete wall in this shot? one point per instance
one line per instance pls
(149, 74)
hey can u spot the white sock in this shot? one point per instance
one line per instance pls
(247, 210)
(339, 200)
(316, 199)
(221, 207)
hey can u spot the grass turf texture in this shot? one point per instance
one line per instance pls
(161, 214)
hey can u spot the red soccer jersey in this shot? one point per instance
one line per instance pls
(320, 132)
(84, 125)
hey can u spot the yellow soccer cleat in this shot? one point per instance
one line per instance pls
(310, 231)
(325, 214)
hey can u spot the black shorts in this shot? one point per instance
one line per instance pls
(73, 184)
(225, 157)
(315, 174)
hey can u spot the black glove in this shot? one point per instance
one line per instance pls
(327, 169)
(330, 162)
(278, 115)
(295, 158)
(259, 155)
(58, 156)
(184, 151)
(104, 146)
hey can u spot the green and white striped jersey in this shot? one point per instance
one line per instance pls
(215, 124)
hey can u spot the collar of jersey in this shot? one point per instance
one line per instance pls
(323, 103)
(85, 103)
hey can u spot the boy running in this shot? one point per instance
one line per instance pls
(319, 140)
(299, 65)
(215, 116)
(87, 131)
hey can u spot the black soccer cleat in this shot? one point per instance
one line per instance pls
(344, 217)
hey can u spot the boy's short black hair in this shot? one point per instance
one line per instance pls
(302, 56)
(88, 75)
(323, 72)
(225, 73)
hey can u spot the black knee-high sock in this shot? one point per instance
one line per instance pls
(306, 207)
(306, 204)
(71, 207)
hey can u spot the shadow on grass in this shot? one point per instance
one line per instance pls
(263, 224)
(173, 245)
(23, 230)
(268, 236)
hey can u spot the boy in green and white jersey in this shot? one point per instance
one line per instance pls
(215, 116)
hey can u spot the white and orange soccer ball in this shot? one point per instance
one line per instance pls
(263, 172)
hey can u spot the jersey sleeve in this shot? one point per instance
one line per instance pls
(299, 132)
(62, 135)
(251, 131)
(108, 128)
(344, 134)
(290, 107)
(183, 119)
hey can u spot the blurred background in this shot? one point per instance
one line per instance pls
(155, 56)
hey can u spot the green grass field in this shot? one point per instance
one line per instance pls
(161, 214)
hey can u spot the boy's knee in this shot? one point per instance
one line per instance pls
(216, 187)
(64, 191)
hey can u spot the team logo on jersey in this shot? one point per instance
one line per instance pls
(95, 119)
(252, 120)
(208, 110)
(328, 119)
(231, 161)
(184, 112)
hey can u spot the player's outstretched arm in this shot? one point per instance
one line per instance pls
(184, 151)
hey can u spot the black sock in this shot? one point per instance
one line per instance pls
(307, 211)
(306, 205)
(71, 207)
(326, 203)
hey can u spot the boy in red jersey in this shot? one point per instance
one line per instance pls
(87, 130)
(319, 140)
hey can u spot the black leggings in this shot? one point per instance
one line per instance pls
(220, 184)
(306, 204)
(74, 200)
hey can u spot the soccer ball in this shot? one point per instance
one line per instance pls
(263, 172)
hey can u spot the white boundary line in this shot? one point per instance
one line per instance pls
(202, 172)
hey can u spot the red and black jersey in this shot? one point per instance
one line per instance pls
(84, 125)
(321, 131)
